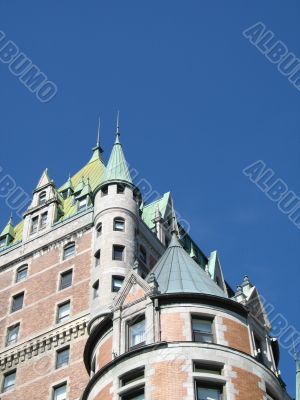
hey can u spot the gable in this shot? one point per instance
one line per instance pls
(135, 293)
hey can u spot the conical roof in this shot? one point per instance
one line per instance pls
(177, 272)
(117, 168)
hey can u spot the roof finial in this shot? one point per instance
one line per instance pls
(118, 128)
(98, 134)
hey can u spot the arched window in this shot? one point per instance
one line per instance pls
(22, 273)
(99, 229)
(119, 224)
(69, 250)
(42, 198)
(97, 258)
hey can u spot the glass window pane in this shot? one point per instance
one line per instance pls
(43, 220)
(66, 279)
(69, 250)
(202, 325)
(118, 253)
(63, 312)
(22, 273)
(9, 381)
(117, 282)
(62, 358)
(2, 242)
(17, 303)
(137, 333)
(60, 393)
(12, 334)
(208, 394)
(34, 224)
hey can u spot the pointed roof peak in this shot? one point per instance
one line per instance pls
(44, 179)
(97, 150)
(9, 228)
(174, 241)
(118, 129)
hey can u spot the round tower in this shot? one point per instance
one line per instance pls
(116, 210)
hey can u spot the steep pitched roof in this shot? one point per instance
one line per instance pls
(9, 229)
(117, 168)
(177, 272)
(149, 211)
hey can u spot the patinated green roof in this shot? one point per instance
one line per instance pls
(177, 272)
(67, 185)
(149, 211)
(117, 168)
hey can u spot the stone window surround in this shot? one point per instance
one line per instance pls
(14, 324)
(207, 316)
(122, 220)
(63, 251)
(3, 380)
(59, 278)
(13, 296)
(57, 305)
(20, 267)
(56, 385)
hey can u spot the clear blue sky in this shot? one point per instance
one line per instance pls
(198, 104)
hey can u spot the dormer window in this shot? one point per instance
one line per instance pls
(82, 204)
(2, 242)
(42, 198)
(34, 225)
(43, 220)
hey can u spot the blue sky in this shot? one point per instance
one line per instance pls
(198, 104)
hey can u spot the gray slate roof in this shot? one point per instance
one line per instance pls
(177, 272)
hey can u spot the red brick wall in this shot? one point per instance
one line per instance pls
(172, 327)
(168, 381)
(247, 385)
(105, 393)
(237, 336)
(105, 353)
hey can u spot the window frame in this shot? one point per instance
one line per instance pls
(97, 258)
(134, 321)
(59, 352)
(115, 246)
(34, 225)
(58, 386)
(118, 220)
(59, 321)
(42, 195)
(115, 288)
(203, 318)
(9, 330)
(99, 228)
(12, 308)
(10, 388)
(131, 394)
(20, 269)
(63, 274)
(43, 222)
(209, 385)
(66, 247)
(95, 289)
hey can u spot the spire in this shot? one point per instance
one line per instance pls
(97, 150)
(118, 128)
(117, 168)
(297, 361)
(9, 229)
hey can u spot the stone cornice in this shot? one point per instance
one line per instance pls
(25, 351)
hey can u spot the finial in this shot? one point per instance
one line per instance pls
(118, 128)
(98, 134)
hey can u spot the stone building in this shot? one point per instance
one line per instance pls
(106, 297)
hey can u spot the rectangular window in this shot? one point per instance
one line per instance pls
(34, 225)
(62, 357)
(22, 273)
(60, 392)
(66, 279)
(43, 220)
(208, 368)
(136, 334)
(132, 376)
(63, 312)
(12, 334)
(69, 251)
(17, 302)
(209, 393)
(258, 348)
(136, 395)
(96, 289)
(117, 282)
(119, 224)
(202, 330)
(9, 381)
(118, 253)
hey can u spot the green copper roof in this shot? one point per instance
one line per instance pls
(117, 168)
(149, 211)
(67, 185)
(177, 272)
(9, 229)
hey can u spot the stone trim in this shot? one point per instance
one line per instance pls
(51, 339)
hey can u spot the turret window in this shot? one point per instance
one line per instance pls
(136, 333)
(120, 189)
(99, 229)
(119, 224)
(118, 253)
(34, 225)
(104, 191)
(209, 392)
(117, 282)
(202, 330)
(69, 250)
(97, 258)
(42, 198)
(96, 289)
(43, 220)
(22, 273)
